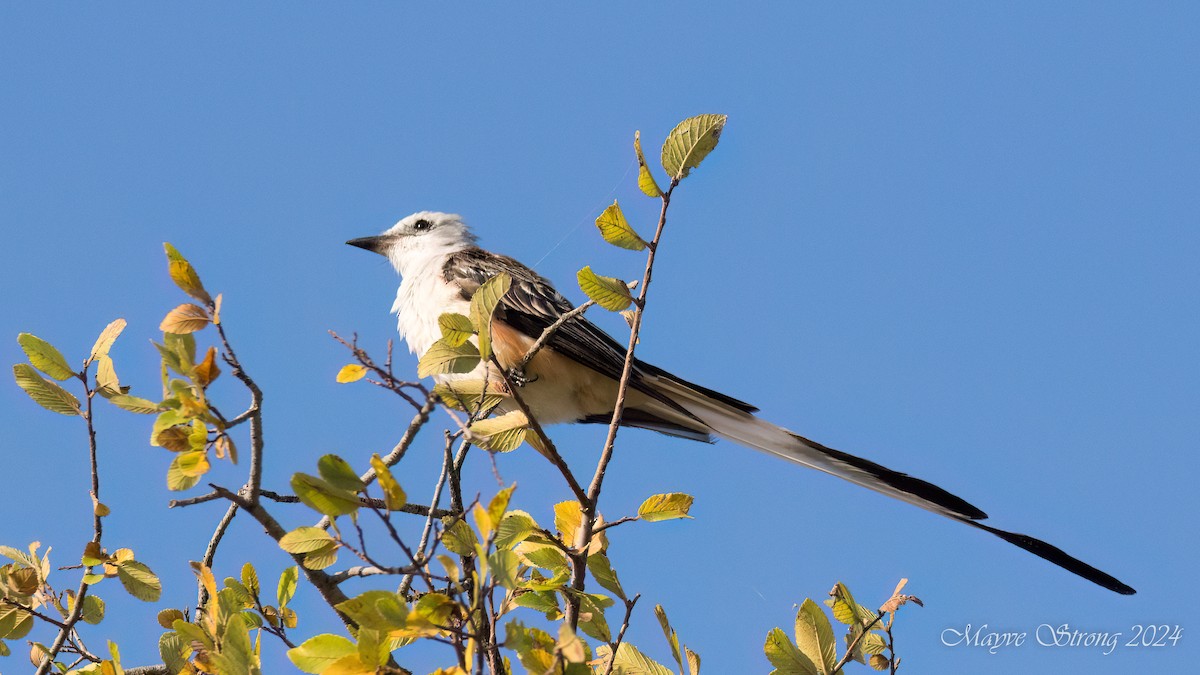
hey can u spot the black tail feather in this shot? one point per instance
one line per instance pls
(1059, 557)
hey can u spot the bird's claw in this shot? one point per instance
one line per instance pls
(518, 377)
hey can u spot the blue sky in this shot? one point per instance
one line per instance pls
(959, 239)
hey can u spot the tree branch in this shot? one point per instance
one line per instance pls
(590, 503)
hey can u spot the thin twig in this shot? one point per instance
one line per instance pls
(211, 496)
(397, 452)
(26, 608)
(447, 462)
(76, 613)
(854, 643)
(549, 333)
(211, 552)
(326, 587)
(621, 634)
(619, 521)
(551, 450)
(254, 411)
(590, 504)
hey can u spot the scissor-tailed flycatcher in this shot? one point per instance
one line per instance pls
(575, 377)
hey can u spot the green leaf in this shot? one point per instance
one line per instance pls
(180, 477)
(456, 328)
(375, 610)
(93, 609)
(689, 143)
(184, 319)
(814, 637)
(442, 358)
(483, 305)
(629, 661)
(504, 565)
(665, 507)
(172, 649)
(139, 580)
(608, 292)
(502, 433)
(184, 275)
(287, 586)
(616, 230)
(305, 539)
(192, 463)
(458, 537)
(44, 392)
(107, 337)
(784, 655)
(545, 602)
(322, 497)
(514, 528)
(669, 633)
(134, 404)
(319, 652)
(45, 357)
(547, 558)
(646, 180)
(393, 495)
(465, 395)
(320, 558)
(15, 623)
(601, 568)
(339, 473)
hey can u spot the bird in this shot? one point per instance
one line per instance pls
(575, 377)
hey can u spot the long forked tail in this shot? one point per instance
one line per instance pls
(727, 419)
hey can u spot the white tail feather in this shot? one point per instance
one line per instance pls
(750, 431)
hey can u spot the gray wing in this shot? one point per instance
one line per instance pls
(532, 304)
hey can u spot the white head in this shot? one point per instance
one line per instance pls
(419, 238)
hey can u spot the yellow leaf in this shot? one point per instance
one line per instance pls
(483, 305)
(207, 370)
(216, 317)
(184, 275)
(393, 494)
(107, 337)
(616, 230)
(456, 328)
(690, 142)
(45, 357)
(610, 293)
(502, 433)
(646, 180)
(666, 507)
(351, 372)
(44, 392)
(186, 318)
(442, 358)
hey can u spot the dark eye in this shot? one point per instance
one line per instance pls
(422, 225)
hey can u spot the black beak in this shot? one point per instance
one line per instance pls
(372, 244)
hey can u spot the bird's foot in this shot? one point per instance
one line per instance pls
(518, 377)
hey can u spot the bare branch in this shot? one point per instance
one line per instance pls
(326, 587)
(621, 634)
(397, 452)
(68, 626)
(211, 552)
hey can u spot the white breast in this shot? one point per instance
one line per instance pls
(423, 296)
